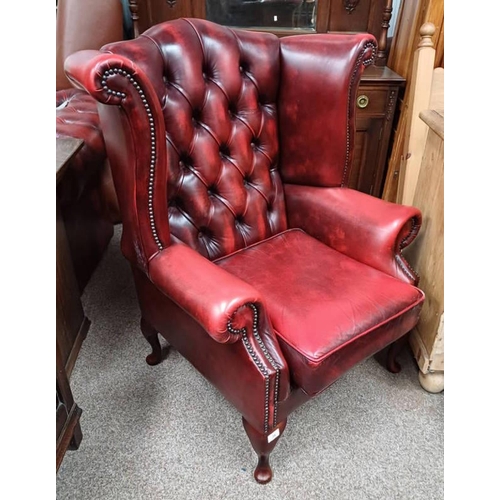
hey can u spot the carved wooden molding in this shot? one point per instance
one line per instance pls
(135, 16)
(390, 104)
(350, 5)
(382, 40)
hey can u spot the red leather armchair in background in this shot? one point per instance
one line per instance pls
(230, 151)
(86, 193)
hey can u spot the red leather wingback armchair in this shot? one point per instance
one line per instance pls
(230, 151)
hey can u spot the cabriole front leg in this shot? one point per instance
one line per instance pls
(263, 444)
(151, 335)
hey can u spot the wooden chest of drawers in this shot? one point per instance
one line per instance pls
(375, 106)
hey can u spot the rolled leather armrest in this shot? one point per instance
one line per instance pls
(85, 69)
(99, 74)
(365, 228)
(206, 292)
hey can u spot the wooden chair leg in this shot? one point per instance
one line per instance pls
(157, 355)
(260, 443)
(76, 439)
(394, 350)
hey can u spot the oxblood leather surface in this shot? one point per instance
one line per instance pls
(77, 116)
(129, 144)
(228, 366)
(189, 112)
(368, 229)
(224, 190)
(206, 292)
(319, 80)
(319, 301)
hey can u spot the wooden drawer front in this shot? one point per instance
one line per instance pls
(377, 101)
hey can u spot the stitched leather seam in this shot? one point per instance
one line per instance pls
(260, 192)
(239, 118)
(241, 89)
(153, 41)
(188, 218)
(240, 52)
(318, 361)
(181, 92)
(172, 145)
(260, 132)
(226, 204)
(239, 96)
(172, 84)
(220, 88)
(200, 178)
(235, 165)
(257, 243)
(204, 55)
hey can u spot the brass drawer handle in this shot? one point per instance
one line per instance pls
(362, 101)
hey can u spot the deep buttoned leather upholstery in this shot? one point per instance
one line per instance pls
(218, 91)
(230, 152)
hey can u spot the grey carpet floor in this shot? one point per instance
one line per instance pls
(165, 433)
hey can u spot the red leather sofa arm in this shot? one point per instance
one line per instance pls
(368, 229)
(208, 293)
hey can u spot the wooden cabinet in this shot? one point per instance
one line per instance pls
(379, 88)
(426, 255)
(421, 184)
(147, 13)
(372, 16)
(375, 105)
(68, 430)
(71, 323)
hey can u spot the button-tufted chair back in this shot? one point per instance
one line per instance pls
(209, 125)
(218, 89)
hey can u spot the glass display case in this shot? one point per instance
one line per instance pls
(282, 17)
(263, 13)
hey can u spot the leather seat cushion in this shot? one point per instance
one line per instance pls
(329, 311)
